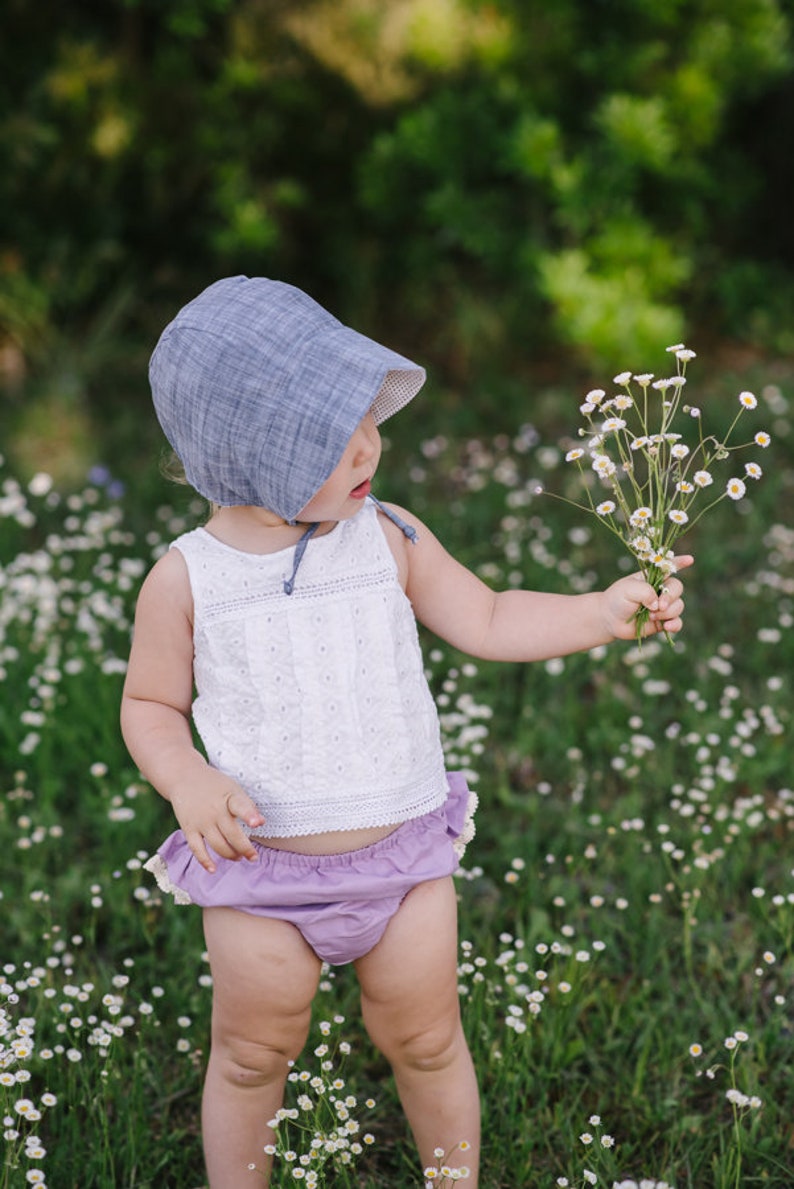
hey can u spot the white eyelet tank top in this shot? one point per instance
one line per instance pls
(315, 702)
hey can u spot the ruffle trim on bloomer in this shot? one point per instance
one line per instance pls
(469, 828)
(159, 869)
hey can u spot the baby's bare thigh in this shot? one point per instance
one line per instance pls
(264, 975)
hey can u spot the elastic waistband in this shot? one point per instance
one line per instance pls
(448, 817)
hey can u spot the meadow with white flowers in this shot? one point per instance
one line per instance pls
(627, 904)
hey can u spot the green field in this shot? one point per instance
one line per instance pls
(627, 905)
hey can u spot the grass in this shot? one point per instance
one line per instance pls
(627, 906)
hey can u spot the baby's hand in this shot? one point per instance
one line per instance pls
(623, 599)
(208, 813)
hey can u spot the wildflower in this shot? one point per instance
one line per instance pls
(695, 1050)
(603, 465)
(589, 1176)
(607, 1141)
(594, 1120)
(762, 439)
(586, 1138)
(640, 516)
(730, 1042)
(652, 461)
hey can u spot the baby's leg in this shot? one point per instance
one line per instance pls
(264, 980)
(409, 999)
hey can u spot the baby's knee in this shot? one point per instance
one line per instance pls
(426, 1050)
(247, 1064)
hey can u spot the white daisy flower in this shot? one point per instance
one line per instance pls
(735, 489)
(603, 465)
(640, 516)
(747, 400)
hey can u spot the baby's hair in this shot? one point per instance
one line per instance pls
(172, 469)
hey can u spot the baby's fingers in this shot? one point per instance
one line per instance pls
(195, 841)
(240, 807)
(239, 804)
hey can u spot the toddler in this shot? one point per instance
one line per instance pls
(321, 826)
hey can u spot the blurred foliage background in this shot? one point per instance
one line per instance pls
(506, 189)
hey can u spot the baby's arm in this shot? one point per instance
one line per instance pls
(523, 625)
(155, 720)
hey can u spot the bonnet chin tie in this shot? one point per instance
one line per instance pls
(300, 549)
(409, 531)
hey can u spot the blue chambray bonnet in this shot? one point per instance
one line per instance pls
(259, 390)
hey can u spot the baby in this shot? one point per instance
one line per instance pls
(318, 823)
